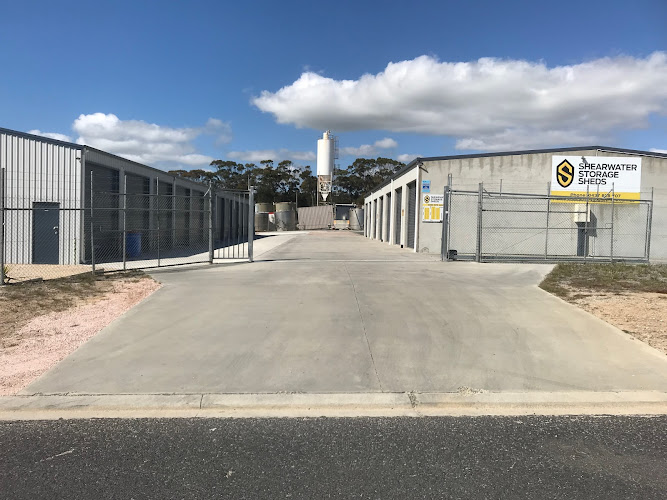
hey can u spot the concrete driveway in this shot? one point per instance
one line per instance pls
(334, 312)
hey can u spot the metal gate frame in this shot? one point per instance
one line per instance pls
(449, 254)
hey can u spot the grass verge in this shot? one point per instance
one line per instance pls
(566, 280)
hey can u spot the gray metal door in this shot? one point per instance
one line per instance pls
(380, 204)
(45, 229)
(397, 216)
(412, 209)
(387, 221)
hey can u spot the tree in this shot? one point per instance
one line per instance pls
(359, 179)
(308, 187)
(284, 181)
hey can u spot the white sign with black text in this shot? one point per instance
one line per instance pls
(598, 175)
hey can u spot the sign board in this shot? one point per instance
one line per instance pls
(432, 207)
(426, 186)
(600, 175)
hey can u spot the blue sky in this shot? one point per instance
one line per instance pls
(176, 84)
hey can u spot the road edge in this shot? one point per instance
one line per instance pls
(410, 404)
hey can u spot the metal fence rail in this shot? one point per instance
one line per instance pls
(494, 226)
(115, 231)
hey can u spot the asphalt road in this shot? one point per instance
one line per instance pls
(334, 312)
(483, 457)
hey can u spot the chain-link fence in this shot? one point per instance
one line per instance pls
(163, 225)
(493, 226)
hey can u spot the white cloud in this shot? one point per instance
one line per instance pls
(663, 151)
(407, 158)
(51, 135)
(488, 104)
(369, 149)
(255, 156)
(363, 150)
(148, 143)
(386, 143)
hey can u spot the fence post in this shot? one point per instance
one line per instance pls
(156, 203)
(2, 227)
(546, 234)
(586, 214)
(210, 223)
(649, 223)
(444, 244)
(611, 242)
(92, 225)
(124, 221)
(251, 222)
(478, 253)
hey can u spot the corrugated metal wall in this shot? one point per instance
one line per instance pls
(316, 217)
(38, 172)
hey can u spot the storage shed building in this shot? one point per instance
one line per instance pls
(48, 193)
(396, 212)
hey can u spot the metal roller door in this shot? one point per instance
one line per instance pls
(379, 218)
(387, 220)
(412, 210)
(397, 216)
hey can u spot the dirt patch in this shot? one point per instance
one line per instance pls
(641, 314)
(44, 322)
(630, 297)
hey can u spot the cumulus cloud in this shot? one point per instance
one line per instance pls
(488, 104)
(369, 149)
(407, 158)
(386, 143)
(663, 151)
(148, 143)
(255, 156)
(51, 135)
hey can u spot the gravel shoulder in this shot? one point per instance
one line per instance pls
(45, 322)
(640, 314)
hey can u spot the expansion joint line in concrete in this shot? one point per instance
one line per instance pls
(363, 326)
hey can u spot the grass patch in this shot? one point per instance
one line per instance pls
(21, 302)
(566, 279)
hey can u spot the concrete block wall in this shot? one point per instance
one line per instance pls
(531, 173)
(523, 172)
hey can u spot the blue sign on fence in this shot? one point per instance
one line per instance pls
(426, 186)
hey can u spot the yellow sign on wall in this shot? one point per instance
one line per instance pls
(432, 207)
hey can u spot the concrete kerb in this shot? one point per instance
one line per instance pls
(463, 403)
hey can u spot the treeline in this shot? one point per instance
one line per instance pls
(285, 181)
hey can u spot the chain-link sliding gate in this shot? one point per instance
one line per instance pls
(140, 227)
(493, 226)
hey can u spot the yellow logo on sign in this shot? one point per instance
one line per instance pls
(427, 199)
(565, 173)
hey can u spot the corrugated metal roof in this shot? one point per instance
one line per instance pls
(72, 145)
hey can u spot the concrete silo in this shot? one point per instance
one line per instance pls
(327, 152)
